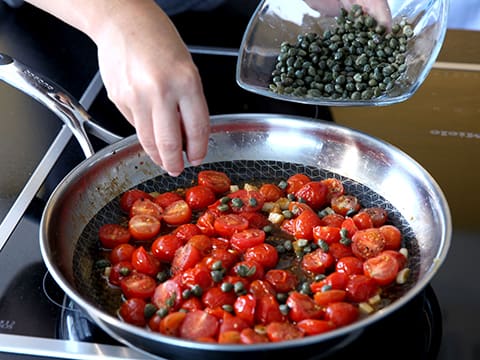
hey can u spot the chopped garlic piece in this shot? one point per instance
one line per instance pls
(403, 276)
(374, 300)
(365, 308)
(250, 187)
(234, 188)
(275, 218)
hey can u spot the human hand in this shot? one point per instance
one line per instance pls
(378, 9)
(150, 76)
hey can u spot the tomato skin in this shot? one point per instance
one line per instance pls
(334, 188)
(345, 204)
(144, 227)
(314, 193)
(206, 223)
(378, 215)
(333, 219)
(130, 196)
(228, 257)
(138, 285)
(170, 324)
(121, 252)
(199, 324)
(144, 206)
(339, 250)
(247, 238)
(244, 307)
(218, 181)
(349, 265)
(165, 292)
(282, 280)
(185, 258)
(302, 306)
(231, 322)
(329, 234)
(132, 311)
(362, 220)
(165, 246)
(259, 288)
(199, 197)
(249, 336)
(197, 275)
(166, 198)
(335, 280)
(177, 213)
(317, 262)
(227, 225)
(361, 288)
(323, 298)
(271, 192)
(267, 311)
(382, 268)
(145, 262)
(341, 313)
(255, 219)
(282, 331)
(349, 225)
(111, 235)
(304, 223)
(315, 326)
(119, 271)
(215, 297)
(264, 253)
(392, 237)
(367, 243)
(295, 182)
(401, 259)
(185, 231)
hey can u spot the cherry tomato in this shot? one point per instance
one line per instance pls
(119, 271)
(295, 182)
(229, 337)
(244, 307)
(201, 242)
(170, 324)
(367, 243)
(199, 324)
(339, 250)
(271, 192)
(245, 239)
(282, 331)
(317, 262)
(206, 221)
(259, 288)
(121, 252)
(334, 280)
(301, 307)
(144, 206)
(185, 231)
(138, 285)
(282, 280)
(401, 259)
(315, 326)
(232, 322)
(350, 227)
(361, 288)
(392, 237)
(199, 197)
(362, 220)
(333, 219)
(185, 258)
(132, 311)
(349, 265)
(334, 187)
(226, 225)
(145, 262)
(255, 219)
(248, 269)
(345, 204)
(267, 310)
(382, 268)
(168, 295)
(167, 198)
(144, 227)
(314, 193)
(218, 181)
(129, 197)
(323, 298)
(341, 313)
(165, 246)
(246, 200)
(329, 234)
(177, 213)
(250, 336)
(197, 275)
(304, 224)
(378, 215)
(228, 257)
(111, 235)
(265, 254)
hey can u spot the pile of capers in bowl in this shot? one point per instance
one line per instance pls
(358, 59)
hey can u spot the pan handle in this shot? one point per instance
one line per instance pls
(58, 100)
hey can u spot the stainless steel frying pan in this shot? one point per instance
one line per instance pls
(246, 146)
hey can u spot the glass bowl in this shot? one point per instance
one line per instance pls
(279, 23)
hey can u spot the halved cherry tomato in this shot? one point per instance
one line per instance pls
(218, 181)
(304, 224)
(250, 336)
(168, 295)
(206, 222)
(323, 298)
(334, 188)
(144, 206)
(382, 268)
(301, 307)
(121, 252)
(378, 215)
(111, 235)
(119, 271)
(167, 198)
(282, 331)
(144, 227)
(215, 297)
(177, 213)
(333, 219)
(349, 265)
(130, 196)
(199, 197)
(199, 324)
(345, 204)
(244, 307)
(242, 240)
(255, 219)
(246, 200)
(271, 192)
(339, 250)
(295, 182)
(329, 234)
(314, 193)
(334, 280)
(185, 258)
(267, 310)
(145, 262)
(317, 262)
(315, 326)
(229, 337)
(185, 231)
(265, 254)
(367, 243)
(401, 259)
(349, 226)
(392, 237)
(197, 275)
(226, 225)
(282, 280)
(138, 285)
(259, 288)
(341, 313)
(362, 220)
(170, 324)
(361, 288)
(132, 311)
(165, 246)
